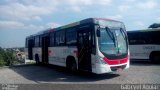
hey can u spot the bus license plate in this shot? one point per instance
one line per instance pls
(119, 69)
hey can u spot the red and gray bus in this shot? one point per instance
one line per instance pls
(96, 45)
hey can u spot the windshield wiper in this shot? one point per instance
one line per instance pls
(114, 38)
(111, 35)
(123, 33)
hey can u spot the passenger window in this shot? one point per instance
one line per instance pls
(71, 37)
(52, 39)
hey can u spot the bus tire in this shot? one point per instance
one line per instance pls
(71, 64)
(37, 59)
(155, 57)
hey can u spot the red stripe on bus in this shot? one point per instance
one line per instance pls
(123, 61)
(117, 61)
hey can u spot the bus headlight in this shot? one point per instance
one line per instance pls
(103, 62)
(100, 61)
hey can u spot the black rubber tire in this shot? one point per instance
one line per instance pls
(155, 58)
(72, 66)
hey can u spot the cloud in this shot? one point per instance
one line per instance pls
(41, 3)
(11, 25)
(158, 19)
(78, 5)
(139, 24)
(52, 25)
(20, 11)
(150, 4)
(103, 2)
(116, 17)
(130, 0)
(89, 2)
(80, 2)
(76, 8)
(35, 9)
(15, 25)
(124, 8)
(38, 18)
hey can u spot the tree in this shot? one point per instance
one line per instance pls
(21, 49)
(155, 25)
(7, 57)
(2, 62)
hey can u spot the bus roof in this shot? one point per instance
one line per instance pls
(145, 30)
(88, 20)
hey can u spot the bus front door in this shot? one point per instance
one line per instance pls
(84, 50)
(45, 44)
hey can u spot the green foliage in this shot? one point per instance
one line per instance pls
(7, 57)
(2, 62)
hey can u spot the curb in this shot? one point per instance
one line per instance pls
(22, 65)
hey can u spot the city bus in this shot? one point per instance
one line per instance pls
(95, 45)
(145, 44)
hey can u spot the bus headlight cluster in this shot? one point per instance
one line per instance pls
(100, 60)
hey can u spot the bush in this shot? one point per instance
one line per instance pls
(7, 57)
(2, 62)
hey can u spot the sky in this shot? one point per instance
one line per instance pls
(20, 18)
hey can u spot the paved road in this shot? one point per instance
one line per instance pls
(139, 73)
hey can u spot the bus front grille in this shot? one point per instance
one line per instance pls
(115, 68)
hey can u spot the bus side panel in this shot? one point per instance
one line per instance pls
(142, 51)
(137, 52)
(58, 55)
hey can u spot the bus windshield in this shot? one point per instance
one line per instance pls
(112, 41)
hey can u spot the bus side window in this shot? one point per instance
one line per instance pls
(52, 39)
(36, 41)
(155, 37)
(71, 37)
(56, 38)
(61, 38)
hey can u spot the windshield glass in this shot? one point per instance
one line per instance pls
(112, 41)
(111, 24)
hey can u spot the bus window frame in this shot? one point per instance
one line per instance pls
(92, 27)
(141, 38)
(37, 42)
(52, 43)
(69, 30)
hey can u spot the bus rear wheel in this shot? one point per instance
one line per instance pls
(155, 57)
(71, 66)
